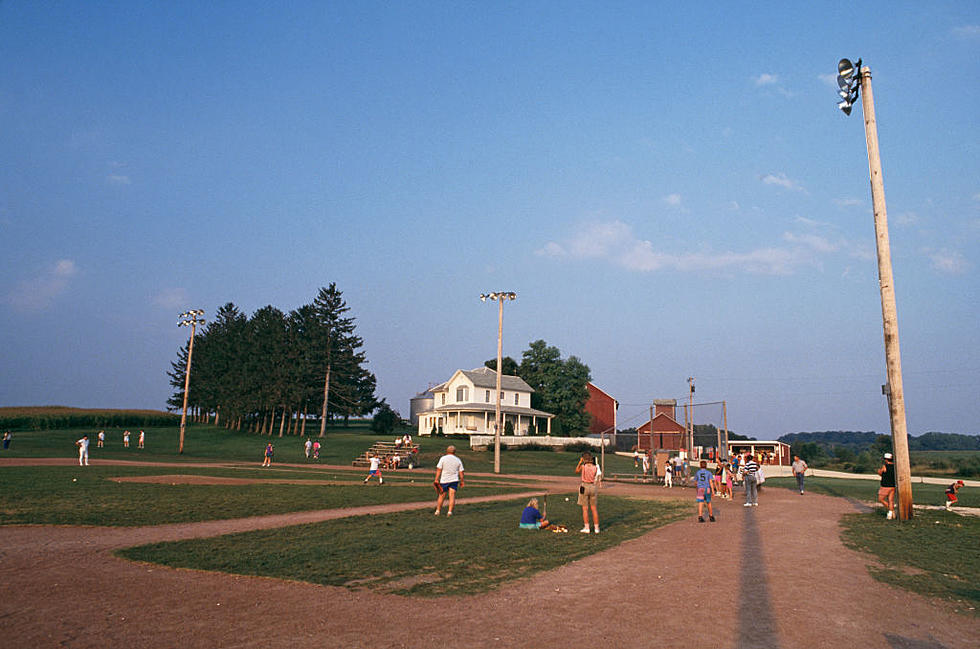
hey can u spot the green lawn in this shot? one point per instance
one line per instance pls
(416, 553)
(867, 490)
(340, 446)
(77, 496)
(934, 554)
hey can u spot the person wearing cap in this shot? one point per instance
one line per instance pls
(951, 494)
(886, 490)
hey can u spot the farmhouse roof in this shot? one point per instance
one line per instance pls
(484, 377)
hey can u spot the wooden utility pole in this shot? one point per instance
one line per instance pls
(889, 312)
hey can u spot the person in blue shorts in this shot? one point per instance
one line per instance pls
(531, 517)
(703, 481)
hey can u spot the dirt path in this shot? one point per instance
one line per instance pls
(772, 576)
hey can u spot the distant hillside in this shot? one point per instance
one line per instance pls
(860, 441)
(856, 441)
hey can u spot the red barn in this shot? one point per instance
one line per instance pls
(602, 407)
(663, 432)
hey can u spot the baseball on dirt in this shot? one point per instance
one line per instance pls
(566, 499)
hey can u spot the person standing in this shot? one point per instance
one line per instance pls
(307, 446)
(6, 440)
(668, 475)
(142, 440)
(703, 480)
(316, 450)
(588, 491)
(449, 477)
(126, 439)
(82, 445)
(886, 490)
(267, 460)
(749, 469)
(101, 439)
(799, 469)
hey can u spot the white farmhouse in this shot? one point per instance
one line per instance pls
(465, 404)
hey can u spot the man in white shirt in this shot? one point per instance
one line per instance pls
(82, 445)
(449, 477)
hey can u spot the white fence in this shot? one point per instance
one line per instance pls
(512, 441)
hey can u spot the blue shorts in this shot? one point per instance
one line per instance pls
(375, 472)
(450, 485)
(704, 495)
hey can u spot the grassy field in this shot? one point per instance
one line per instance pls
(407, 552)
(934, 554)
(89, 496)
(340, 446)
(867, 490)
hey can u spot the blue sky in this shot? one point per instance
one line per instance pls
(670, 190)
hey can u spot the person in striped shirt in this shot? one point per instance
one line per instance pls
(748, 470)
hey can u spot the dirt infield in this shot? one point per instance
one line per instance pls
(772, 576)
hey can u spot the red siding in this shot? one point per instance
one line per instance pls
(602, 407)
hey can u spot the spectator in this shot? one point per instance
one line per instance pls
(588, 491)
(267, 461)
(886, 490)
(749, 469)
(703, 482)
(101, 439)
(449, 478)
(307, 446)
(799, 469)
(6, 440)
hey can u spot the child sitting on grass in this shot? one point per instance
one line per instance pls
(531, 518)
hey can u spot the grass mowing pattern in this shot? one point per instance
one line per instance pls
(935, 554)
(416, 553)
(48, 495)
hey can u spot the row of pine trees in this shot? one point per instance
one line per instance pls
(275, 372)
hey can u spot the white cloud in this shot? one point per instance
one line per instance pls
(171, 298)
(780, 180)
(948, 261)
(673, 199)
(38, 293)
(976, 197)
(615, 242)
(766, 79)
(848, 202)
(967, 31)
(117, 179)
(829, 79)
(814, 241)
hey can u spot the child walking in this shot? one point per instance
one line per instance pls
(705, 484)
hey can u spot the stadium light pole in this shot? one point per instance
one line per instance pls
(853, 80)
(500, 297)
(690, 439)
(188, 319)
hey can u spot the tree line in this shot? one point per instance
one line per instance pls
(275, 370)
(559, 385)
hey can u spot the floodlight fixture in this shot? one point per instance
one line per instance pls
(190, 319)
(845, 68)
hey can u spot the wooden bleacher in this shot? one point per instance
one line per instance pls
(385, 450)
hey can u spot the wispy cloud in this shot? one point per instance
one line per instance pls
(117, 179)
(948, 261)
(828, 79)
(967, 31)
(848, 202)
(615, 242)
(780, 180)
(171, 298)
(38, 293)
(766, 79)
(906, 218)
(673, 199)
